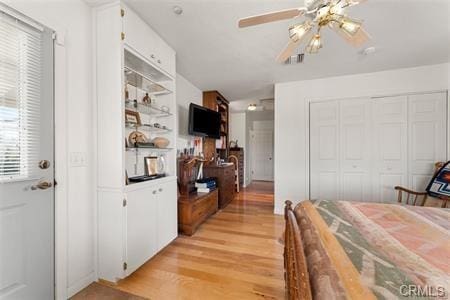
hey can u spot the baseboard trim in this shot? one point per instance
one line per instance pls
(81, 284)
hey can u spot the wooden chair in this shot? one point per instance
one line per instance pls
(296, 270)
(418, 198)
(235, 161)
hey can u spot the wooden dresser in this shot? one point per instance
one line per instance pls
(239, 153)
(225, 181)
(194, 209)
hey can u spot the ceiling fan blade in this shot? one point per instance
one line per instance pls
(360, 38)
(271, 17)
(287, 51)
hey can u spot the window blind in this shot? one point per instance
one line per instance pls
(21, 60)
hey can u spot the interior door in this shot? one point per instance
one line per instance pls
(262, 155)
(389, 146)
(324, 150)
(427, 115)
(26, 161)
(355, 139)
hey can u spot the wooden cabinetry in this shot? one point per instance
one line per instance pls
(239, 153)
(194, 209)
(135, 221)
(225, 181)
(215, 101)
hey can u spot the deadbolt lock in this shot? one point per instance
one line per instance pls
(44, 164)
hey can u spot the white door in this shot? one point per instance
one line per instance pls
(167, 218)
(355, 139)
(427, 136)
(26, 161)
(324, 150)
(389, 146)
(262, 154)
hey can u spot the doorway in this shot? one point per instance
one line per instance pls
(261, 154)
(26, 159)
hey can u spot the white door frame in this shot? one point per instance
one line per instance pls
(251, 153)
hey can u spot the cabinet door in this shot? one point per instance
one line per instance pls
(355, 166)
(324, 150)
(389, 147)
(427, 117)
(167, 225)
(141, 228)
(141, 38)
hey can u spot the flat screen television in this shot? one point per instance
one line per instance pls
(204, 122)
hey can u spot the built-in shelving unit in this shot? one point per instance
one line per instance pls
(215, 101)
(135, 80)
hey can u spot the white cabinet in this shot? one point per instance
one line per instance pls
(151, 222)
(140, 37)
(361, 148)
(167, 226)
(141, 228)
(135, 220)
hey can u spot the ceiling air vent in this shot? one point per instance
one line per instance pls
(295, 59)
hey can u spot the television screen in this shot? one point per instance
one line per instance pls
(204, 122)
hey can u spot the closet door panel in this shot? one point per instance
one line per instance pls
(389, 147)
(427, 115)
(324, 150)
(355, 150)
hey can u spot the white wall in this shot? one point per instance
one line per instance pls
(291, 116)
(186, 93)
(72, 19)
(238, 131)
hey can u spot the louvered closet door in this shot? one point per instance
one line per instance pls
(389, 146)
(355, 175)
(427, 136)
(324, 152)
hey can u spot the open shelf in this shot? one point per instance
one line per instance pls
(148, 109)
(138, 80)
(134, 149)
(147, 127)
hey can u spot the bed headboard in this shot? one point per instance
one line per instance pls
(296, 271)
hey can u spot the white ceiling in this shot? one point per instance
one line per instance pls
(214, 54)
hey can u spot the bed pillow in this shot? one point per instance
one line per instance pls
(439, 185)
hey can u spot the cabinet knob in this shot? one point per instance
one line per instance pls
(160, 190)
(152, 56)
(159, 61)
(154, 192)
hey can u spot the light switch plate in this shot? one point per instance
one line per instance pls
(78, 159)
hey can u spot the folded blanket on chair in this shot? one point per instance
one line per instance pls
(439, 186)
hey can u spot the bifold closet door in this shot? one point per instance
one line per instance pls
(427, 133)
(324, 150)
(355, 143)
(389, 146)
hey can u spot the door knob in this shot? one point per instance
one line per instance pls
(42, 185)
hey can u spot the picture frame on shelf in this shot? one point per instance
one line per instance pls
(151, 165)
(132, 117)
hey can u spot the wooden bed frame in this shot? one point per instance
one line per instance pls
(296, 271)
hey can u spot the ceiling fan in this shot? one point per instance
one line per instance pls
(320, 14)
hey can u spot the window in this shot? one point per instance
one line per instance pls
(20, 94)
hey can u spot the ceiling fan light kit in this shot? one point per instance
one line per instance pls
(314, 44)
(320, 13)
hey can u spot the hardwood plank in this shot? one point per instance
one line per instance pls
(233, 255)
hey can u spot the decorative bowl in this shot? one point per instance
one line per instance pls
(161, 142)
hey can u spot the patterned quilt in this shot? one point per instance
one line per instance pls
(375, 251)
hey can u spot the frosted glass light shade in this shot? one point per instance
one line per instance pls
(350, 26)
(297, 32)
(314, 44)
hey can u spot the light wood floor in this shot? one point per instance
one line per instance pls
(234, 255)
